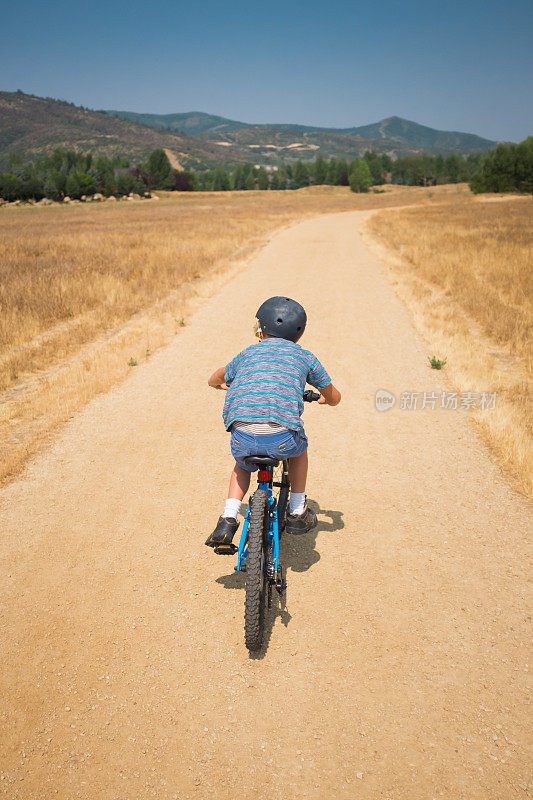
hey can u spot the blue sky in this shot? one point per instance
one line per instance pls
(453, 65)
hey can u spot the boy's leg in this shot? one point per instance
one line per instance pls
(227, 524)
(298, 472)
(239, 483)
(300, 518)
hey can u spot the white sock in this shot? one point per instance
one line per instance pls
(232, 508)
(297, 503)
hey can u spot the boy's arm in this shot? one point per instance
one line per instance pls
(330, 395)
(319, 378)
(218, 379)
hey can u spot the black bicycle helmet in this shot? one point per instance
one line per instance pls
(282, 317)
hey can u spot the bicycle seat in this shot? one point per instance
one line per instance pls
(261, 461)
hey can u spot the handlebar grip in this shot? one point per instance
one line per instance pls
(309, 396)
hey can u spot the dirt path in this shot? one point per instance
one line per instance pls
(398, 669)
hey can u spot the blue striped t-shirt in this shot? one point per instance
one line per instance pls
(266, 383)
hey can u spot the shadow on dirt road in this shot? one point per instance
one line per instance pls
(297, 554)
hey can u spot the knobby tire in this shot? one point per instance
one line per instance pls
(254, 604)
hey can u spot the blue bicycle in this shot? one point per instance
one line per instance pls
(258, 551)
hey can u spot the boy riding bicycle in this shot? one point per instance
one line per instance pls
(265, 385)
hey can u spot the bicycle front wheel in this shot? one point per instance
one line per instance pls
(254, 604)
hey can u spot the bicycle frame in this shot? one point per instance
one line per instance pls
(265, 483)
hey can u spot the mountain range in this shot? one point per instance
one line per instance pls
(32, 126)
(393, 132)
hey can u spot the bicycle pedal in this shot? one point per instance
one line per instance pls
(225, 549)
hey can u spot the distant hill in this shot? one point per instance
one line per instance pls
(33, 125)
(192, 123)
(393, 134)
(411, 134)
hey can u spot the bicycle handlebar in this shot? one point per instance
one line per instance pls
(309, 396)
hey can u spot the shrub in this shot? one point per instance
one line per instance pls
(360, 177)
(183, 181)
(10, 186)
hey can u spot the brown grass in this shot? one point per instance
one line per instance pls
(466, 272)
(85, 287)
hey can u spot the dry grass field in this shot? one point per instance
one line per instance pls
(85, 288)
(466, 271)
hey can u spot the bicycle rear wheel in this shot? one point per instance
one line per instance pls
(254, 604)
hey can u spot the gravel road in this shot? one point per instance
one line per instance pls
(397, 668)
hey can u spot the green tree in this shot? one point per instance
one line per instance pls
(32, 186)
(524, 165)
(300, 175)
(508, 168)
(125, 182)
(73, 188)
(221, 181)
(109, 186)
(439, 168)
(343, 177)
(205, 181)
(262, 178)
(281, 177)
(87, 183)
(331, 175)
(243, 177)
(338, 172)
(375, 166)
(50, 189)
(10, 186)
(56, 160)
(238, 179)
(249, 172)
(386, 162)
(60, 181)
(452, 165)
(320, 171)
(360, 177)
(159, 166)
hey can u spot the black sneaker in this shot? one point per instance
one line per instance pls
(223, 533)
(301, 523)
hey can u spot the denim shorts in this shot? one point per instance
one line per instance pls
(282, 445)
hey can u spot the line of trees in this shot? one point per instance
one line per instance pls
(373, 169)
(290, 176)
(69, 174)
(66, 173)
(508, 168)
